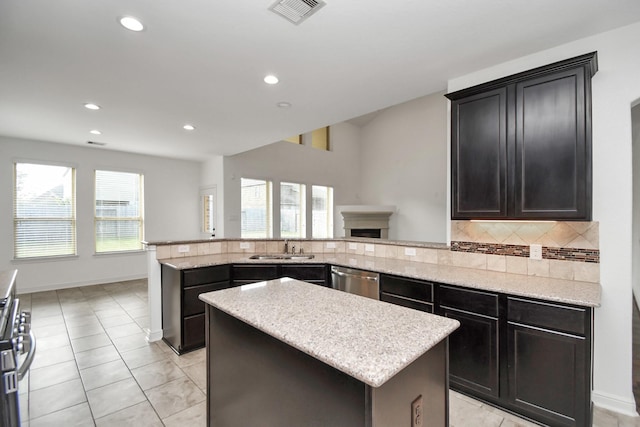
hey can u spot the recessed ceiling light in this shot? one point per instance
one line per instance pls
(131, 23)
(283, 104)
(95, 132)
(271, 79)
(91, 106)
(188, 127)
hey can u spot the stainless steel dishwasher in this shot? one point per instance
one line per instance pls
(353, 281)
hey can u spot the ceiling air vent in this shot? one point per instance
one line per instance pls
(296, 11)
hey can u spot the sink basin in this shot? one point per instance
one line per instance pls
(282, 256)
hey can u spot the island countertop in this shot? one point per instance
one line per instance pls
(367, 339)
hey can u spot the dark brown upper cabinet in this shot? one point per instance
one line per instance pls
(521, 145)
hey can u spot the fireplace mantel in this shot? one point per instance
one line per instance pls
(366, 217)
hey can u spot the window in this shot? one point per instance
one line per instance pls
(320, 138)
(118, 211)
(295, 139)
(208, 209)
(292, 210)
(255, 208)
(321, 212)
(44, 210)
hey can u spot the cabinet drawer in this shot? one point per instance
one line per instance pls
(414, 289)
(406, 302)
(546, 315)
(256, 273)
(200, 276)
(305, 272)
(193, 332)
(468, 300)
(191, 304)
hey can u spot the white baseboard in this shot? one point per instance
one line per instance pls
(58, 286)
(614, 403)
(153, 336)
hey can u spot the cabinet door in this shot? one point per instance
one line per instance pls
(473, 353)
(193, 332)
(548, 374)
(479, 155)
(552, 149)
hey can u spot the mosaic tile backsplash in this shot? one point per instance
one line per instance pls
(560, 240)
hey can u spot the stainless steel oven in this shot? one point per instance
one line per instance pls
(16, 339)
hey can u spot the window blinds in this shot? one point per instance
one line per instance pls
(44, 210)
(118, 211)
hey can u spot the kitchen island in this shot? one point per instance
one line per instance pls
(289, 353)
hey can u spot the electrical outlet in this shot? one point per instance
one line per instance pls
(183, 248)
(535, 251)
(244, 245)
(416, 412)
(410, 251)
(369, 248)
(353, 246)
(331, 245)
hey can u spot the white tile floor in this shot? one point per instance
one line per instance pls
(93, 367)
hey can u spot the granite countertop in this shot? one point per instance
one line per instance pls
(565, 291)
(367, 339)
(417, 244)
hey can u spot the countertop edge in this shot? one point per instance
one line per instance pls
(543, 288)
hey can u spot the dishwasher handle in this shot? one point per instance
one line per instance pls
(363, 275)
(359, 276)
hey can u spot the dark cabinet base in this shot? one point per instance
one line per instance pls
(525, 356)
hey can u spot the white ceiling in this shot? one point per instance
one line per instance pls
(203, 61)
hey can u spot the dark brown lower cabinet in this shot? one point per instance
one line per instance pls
(250, 273)
(527, 356)
(411, 293)
(473, 348)
(182, 312)
(317, 274)
(243, 274)
(549, 362)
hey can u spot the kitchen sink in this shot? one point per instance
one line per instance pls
(283, 256)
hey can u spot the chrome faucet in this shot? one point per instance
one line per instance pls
(286, 246)
(293, 249)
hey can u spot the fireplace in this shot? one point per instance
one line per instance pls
(366, 221)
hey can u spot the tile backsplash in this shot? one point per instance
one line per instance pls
(570, 249)
(507, 243)
(553, 234)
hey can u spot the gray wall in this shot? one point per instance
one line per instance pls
(404, 163)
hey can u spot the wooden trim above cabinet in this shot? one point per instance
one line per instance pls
(588, 60)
